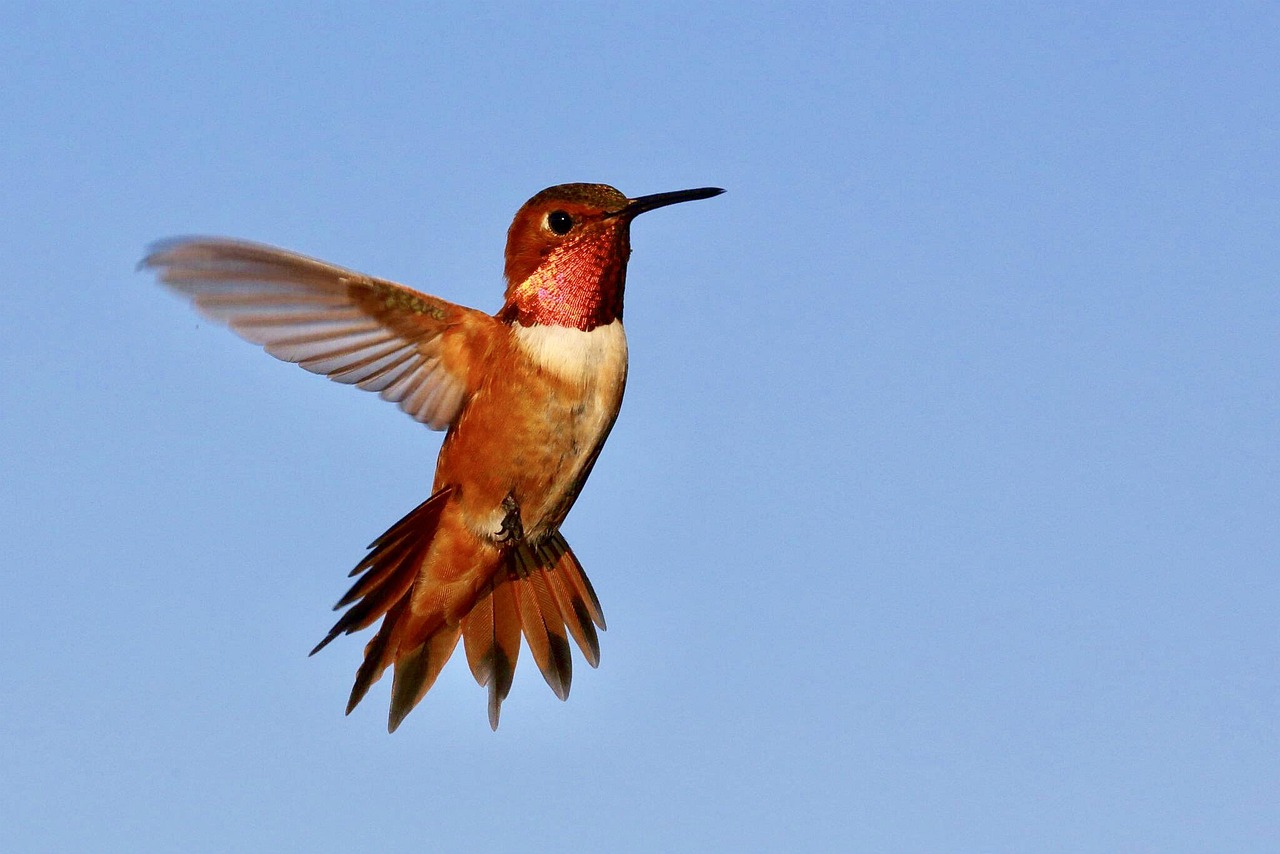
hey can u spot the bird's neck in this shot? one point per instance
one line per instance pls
(581, 290)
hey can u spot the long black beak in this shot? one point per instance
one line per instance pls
(635, 207)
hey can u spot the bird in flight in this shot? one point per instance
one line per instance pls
(527, 397)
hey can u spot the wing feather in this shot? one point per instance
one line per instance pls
(370, 333)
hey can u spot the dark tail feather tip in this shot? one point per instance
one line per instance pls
(329, 637)
(495, 709)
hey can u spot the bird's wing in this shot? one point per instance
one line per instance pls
(411, 348)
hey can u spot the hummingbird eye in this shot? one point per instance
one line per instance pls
(559, 222)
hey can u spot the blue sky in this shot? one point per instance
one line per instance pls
(941, 514)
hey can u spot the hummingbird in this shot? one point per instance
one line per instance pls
(527, 397)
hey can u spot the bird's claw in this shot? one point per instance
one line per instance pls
(512, 530)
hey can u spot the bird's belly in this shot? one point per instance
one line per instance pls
(534, 432)
(547, 472)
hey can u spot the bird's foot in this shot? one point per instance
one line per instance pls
(512, 530)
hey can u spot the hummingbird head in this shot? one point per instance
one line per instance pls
(567, 252)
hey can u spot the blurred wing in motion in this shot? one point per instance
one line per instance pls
(411, 348)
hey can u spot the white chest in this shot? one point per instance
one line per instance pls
(596, 359)
(570, 427)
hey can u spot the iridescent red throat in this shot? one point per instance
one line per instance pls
(578, 285)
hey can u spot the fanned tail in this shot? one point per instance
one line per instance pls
(537, 592)
(389, 571)
(489, 599)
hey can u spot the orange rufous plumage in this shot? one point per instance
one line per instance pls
(527, 395)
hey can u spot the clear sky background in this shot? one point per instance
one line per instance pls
(942, 510)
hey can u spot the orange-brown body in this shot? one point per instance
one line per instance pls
(528, 397)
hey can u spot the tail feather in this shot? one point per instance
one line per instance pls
(538, 592)
(575, 578)
(492, 634)
(506, 633)
(479, 637)
(389, 559)
(391, 568)
(574, 610)
(404, 526)
(542, 622)
(577, 599)
(376, 602)
(416, 672)
(377, 656)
